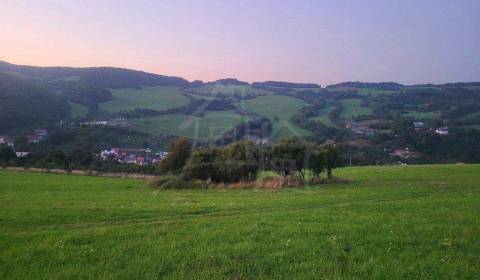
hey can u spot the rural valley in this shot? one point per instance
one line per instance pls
(273, 139)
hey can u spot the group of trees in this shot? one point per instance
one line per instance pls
(295, 155)
(242, 160)
(76, 159)
(235, 162)
(238, 161)
(25, 104)
(87, 95)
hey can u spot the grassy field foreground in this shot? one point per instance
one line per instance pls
(389, 223)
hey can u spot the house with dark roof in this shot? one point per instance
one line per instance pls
(6, 140)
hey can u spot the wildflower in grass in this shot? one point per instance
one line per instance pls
(288, 243)
(60, 244)
(448, 242)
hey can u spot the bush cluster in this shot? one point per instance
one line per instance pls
(236, 162)
(241, 161)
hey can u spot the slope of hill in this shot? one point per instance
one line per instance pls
(25, 104)
(279, 110)
(210, 126)
(379, 115)
(276, 84)
(156, 98)
(108, 77)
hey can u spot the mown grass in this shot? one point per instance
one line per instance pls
(414, 222)
(324, 118)
(352, 108)
(279, 109)
(157, 98)
(421, 115)
(211, 125)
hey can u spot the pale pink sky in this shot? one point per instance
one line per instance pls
(305, 41)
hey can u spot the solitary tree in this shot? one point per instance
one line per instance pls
(332, 157)
(288, 156)
(6, 154)
(317, 161)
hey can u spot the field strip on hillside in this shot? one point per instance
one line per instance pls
(216, 214)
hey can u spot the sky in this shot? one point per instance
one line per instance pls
(320, 41)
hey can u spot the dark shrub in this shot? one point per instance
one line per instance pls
(179, 152)
(203, 165)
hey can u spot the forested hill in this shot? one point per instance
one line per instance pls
(109, 77)
(27, 103)
(427, 123)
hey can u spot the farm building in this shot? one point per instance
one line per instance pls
(6, 140)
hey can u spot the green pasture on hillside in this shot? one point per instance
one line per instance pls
(211, 125)
(324, 118)
(157, 98)
(279, 109)
(421, 115)
(352, 108)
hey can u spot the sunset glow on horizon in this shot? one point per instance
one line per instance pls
(299, 41)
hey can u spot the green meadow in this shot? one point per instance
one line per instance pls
(211, 125)
(421, 115)
(352, 108)
(157, 98)
(399, 222)
(279, 109)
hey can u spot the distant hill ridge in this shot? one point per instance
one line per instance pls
(229, 81)
(109, 77)
(114, 77)
(381, 85)
(276, 84)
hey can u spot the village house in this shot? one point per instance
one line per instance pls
(418, 126)
(257, 140)
(38, 136)
(113, 122)
(95, 123)
(442, 131)
(359, 129)
(21, 154)
(404, 153)
(132, 156)
(6, 140)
